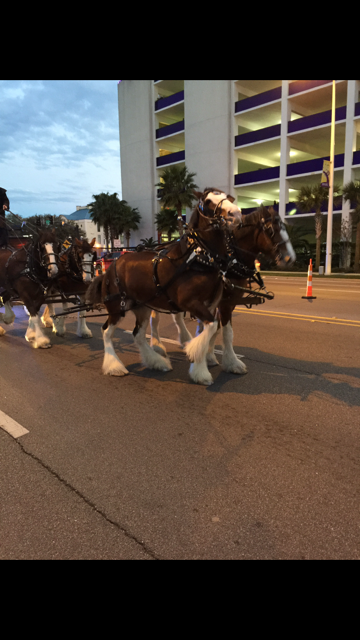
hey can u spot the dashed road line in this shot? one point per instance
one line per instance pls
(12, 427)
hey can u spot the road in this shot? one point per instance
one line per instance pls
(152, 466)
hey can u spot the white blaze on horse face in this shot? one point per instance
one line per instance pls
(86, 267)
(52, 266)
(230, 211)
(290, 256)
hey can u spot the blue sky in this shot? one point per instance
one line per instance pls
(59, 143)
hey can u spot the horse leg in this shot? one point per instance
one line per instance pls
(197, 348)
(155, 341)
(149, 357)
(230, 361)
(211, 358)
(184, 335)
(46, 319)
(9, 315)
(112, 366)
(34, 334)
(59, 323)
(83, 330)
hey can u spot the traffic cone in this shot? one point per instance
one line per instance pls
(309, 295)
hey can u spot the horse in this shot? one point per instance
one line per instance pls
(261, 231)
(185, 276)
(76, 271)
(26, 274)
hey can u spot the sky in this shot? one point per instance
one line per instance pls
(59, 143)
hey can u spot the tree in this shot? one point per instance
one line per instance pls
(177, 187)
(104, 211)
(351, 193)
(167, 222)
(128, 220)
(149, 243)
(312, 198)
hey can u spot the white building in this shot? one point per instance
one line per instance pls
(260, 140)
(91, 230)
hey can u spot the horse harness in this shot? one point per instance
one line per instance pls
(29, 270)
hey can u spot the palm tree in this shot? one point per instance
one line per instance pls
(129, 220)
(351, 192)
(103, 211)
(312, 198)
(176, 184)
(167, 222)
(149, 243)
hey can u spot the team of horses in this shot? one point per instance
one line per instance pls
(204, 273)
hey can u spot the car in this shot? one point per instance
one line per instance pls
(103, 263)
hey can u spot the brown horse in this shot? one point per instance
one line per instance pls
(26, 274)
(76, 271)
(187, 276)
(262, 231)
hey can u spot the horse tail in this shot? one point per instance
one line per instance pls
(93, 294)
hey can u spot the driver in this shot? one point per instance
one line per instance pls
(4, 204)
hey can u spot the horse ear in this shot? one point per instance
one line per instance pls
(92, 242)
(78, 242)
(198, 194)
(230, 198)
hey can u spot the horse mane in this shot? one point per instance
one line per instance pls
(86, 247)
(45, 236)
(255, 216)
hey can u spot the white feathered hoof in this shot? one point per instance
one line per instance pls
(112, 366)
(234, 366)
(115, 371)
(200, 374)
(84, 333)
(41, 343)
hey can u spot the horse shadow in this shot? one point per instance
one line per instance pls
(279, 375)
(267, 373)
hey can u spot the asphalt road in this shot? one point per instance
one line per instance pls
(152, 466)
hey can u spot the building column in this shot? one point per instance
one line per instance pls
(284, 149)
(353, 88)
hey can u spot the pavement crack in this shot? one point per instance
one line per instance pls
(91, 504)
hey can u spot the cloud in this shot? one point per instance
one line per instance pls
(55, 133)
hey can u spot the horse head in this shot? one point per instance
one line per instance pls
(271, 237)
(47, 256)
(215, 207)
(85, 255)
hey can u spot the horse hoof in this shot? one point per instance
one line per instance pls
(118, 373)
(160, 350)
(238, 368)
(2, 331)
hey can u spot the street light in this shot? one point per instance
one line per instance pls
(331, 187)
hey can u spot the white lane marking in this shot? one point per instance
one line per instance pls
(11, 426)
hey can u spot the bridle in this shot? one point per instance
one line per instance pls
(266, 225)
(44, 258)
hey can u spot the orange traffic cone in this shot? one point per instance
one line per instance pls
(309, 295)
